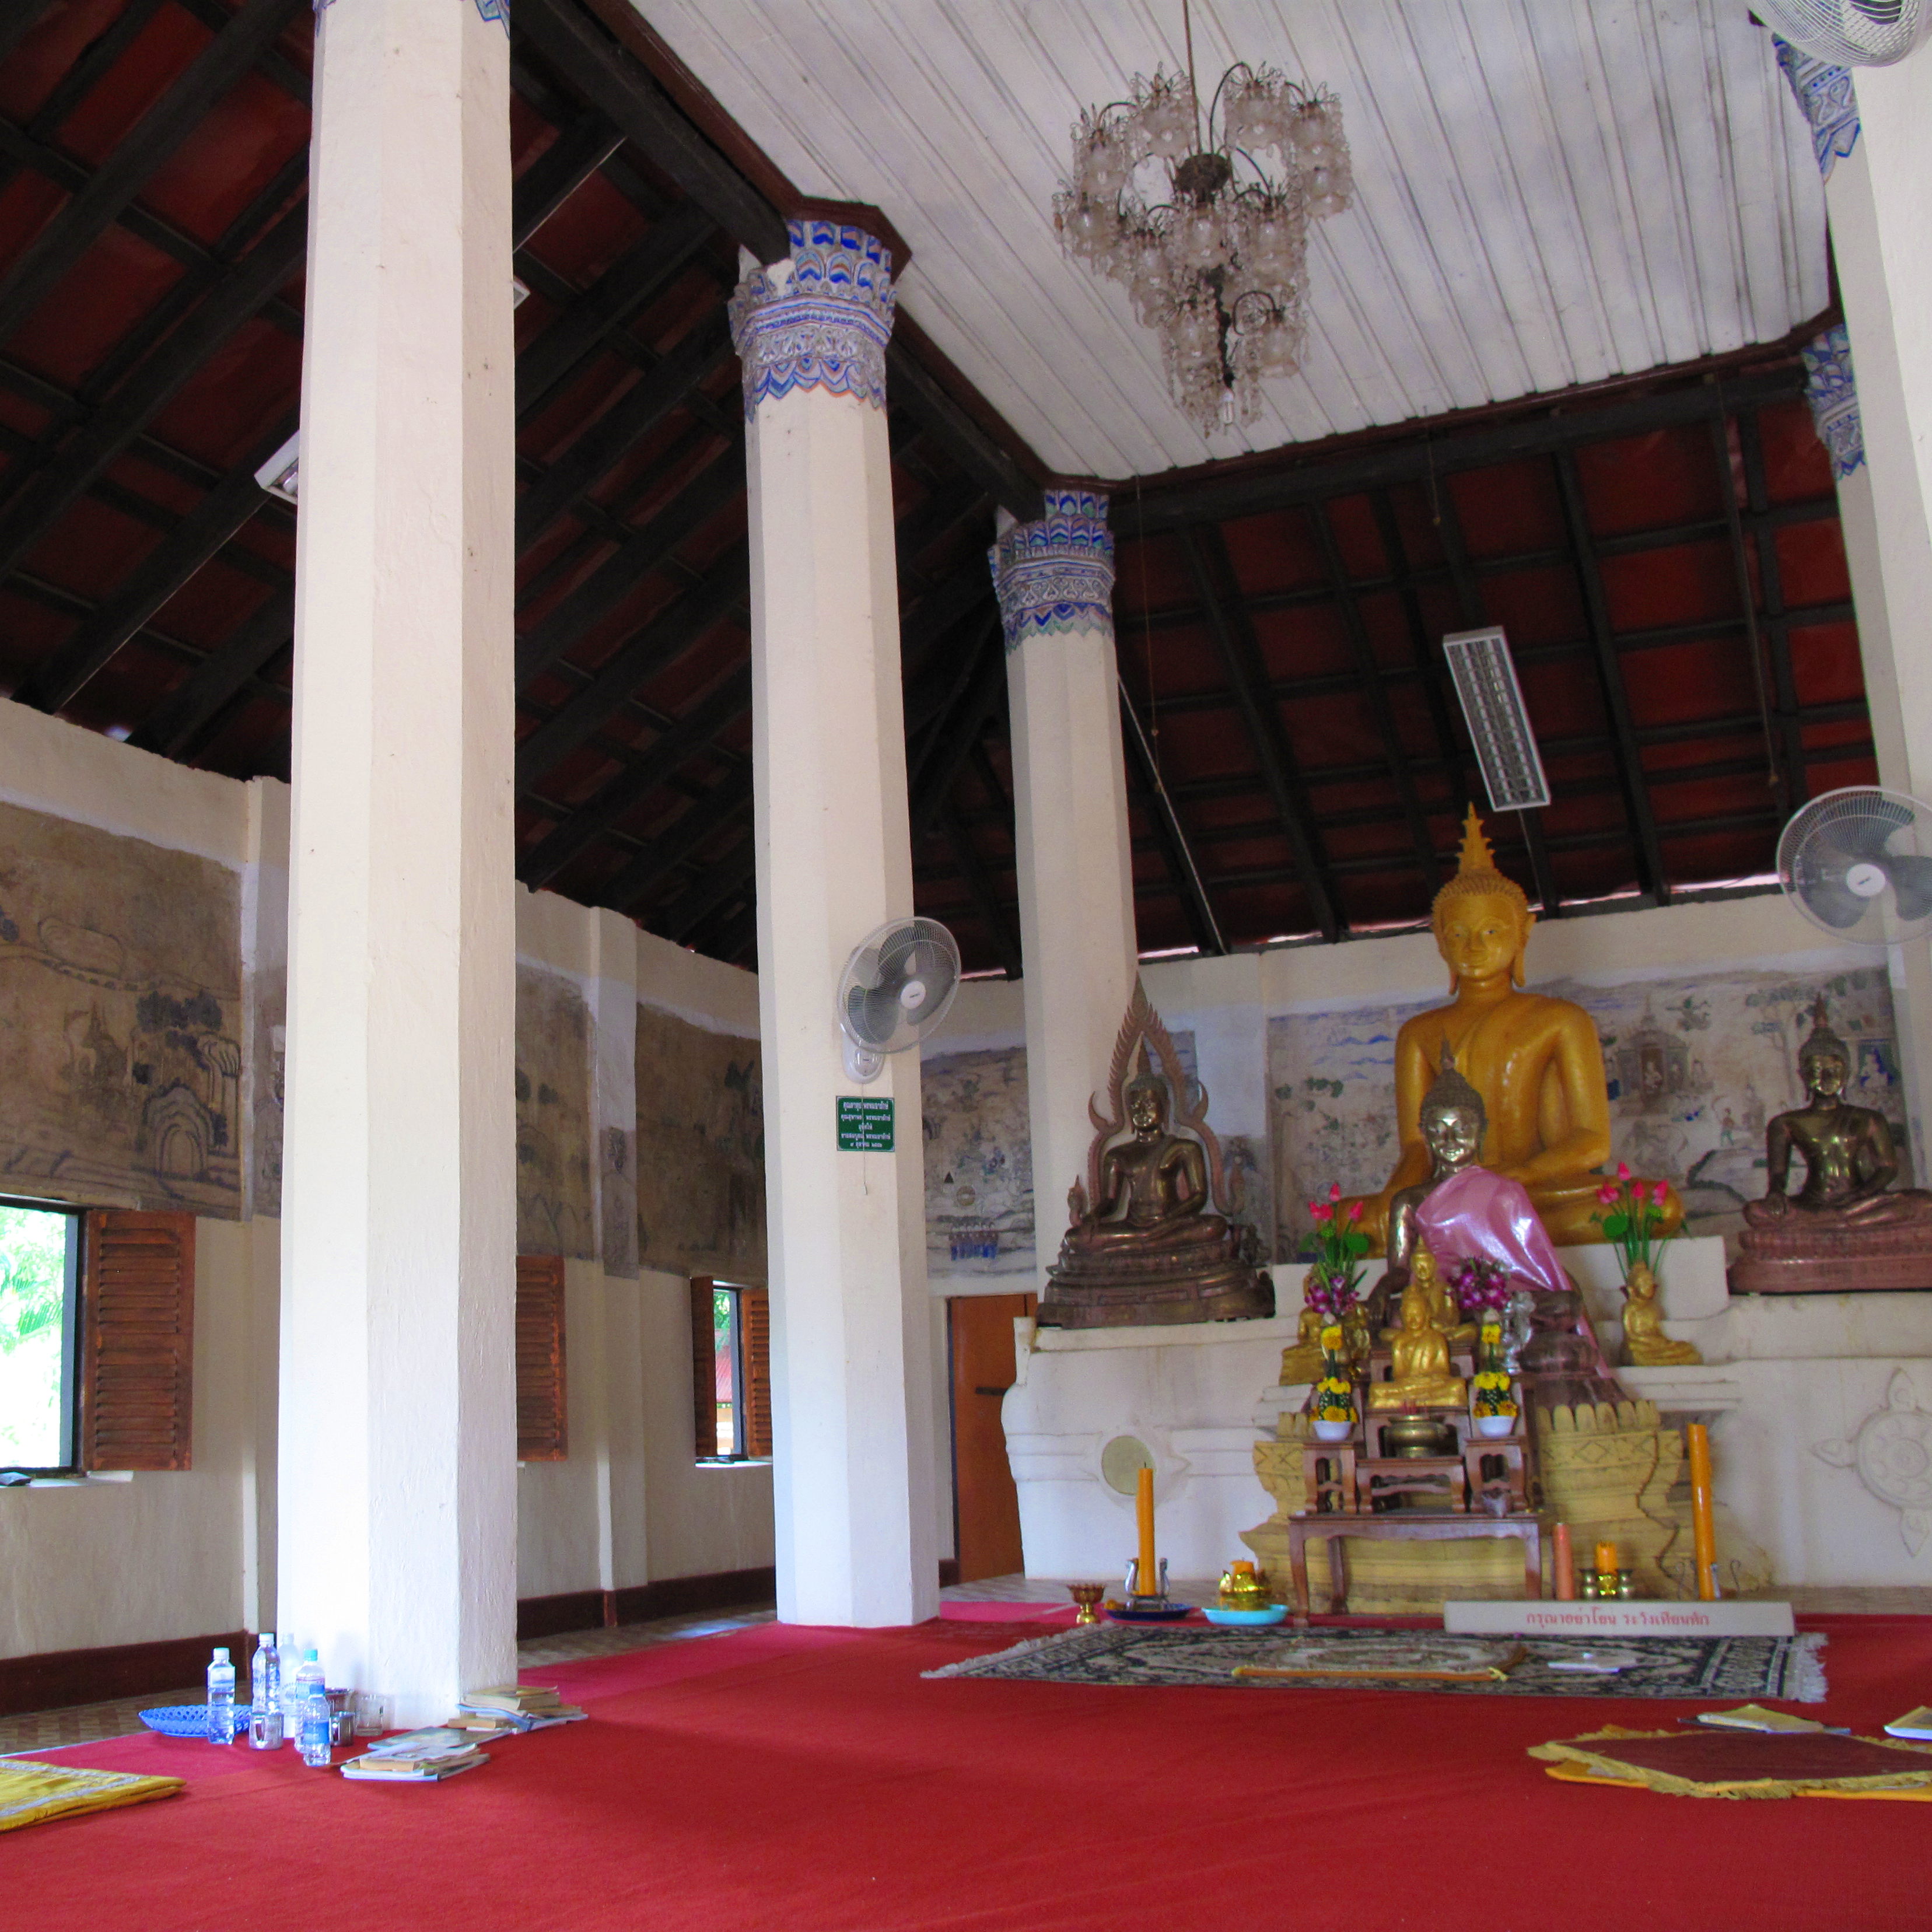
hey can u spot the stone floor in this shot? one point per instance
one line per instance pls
(87, 1723)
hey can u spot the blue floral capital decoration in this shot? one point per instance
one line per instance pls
(1834, 398)
(821, 320)
(1826, 98)
(1057, 574)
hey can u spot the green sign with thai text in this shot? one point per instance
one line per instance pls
(864, 1124)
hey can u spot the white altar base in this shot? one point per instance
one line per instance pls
(1820, 1407)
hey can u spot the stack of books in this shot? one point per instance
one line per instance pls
(417, 1757)
(505, 1708)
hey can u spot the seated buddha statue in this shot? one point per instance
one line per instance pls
(1150, 1245)
(1847, 1227)
(1645, 1344)
(1420, 1375)
(1536, 1061)
(1444, 1315)
(1849, 1161)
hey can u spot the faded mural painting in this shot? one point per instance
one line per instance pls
(120, 1018)
(1694, 1066)
(700, 1151)
(978, 1162)
(555, 1215)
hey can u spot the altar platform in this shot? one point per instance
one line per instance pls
(1819, 1409)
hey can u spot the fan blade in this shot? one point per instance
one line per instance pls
(1863, 835)
(1826, 894)
(1911, 886)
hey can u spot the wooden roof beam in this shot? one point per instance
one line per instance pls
(1206, 557)
(675, 844)
(1795, 788)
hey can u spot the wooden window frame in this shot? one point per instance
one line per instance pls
(68, 1462)
(543, 1408)
(135, 1348)
(750, 1378)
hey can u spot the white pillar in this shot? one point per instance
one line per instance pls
(1879, 195)
(398, 1418)
(851, 1421)
(1075, 860)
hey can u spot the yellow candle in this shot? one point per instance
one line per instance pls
(1146, 1577)
(1703, 1531)
(1607, 1564)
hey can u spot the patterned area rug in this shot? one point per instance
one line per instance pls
(1784, 1667)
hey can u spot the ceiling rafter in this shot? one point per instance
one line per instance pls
(1370, 679)
(677, 842)
(1207, 555)
(138, 155)
(1652, 876)
(1771, 586)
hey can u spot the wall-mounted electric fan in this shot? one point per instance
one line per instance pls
(1849, 33)
(895, 990)
(1855, 863)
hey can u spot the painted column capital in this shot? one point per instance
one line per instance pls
(1834, 398)
(1825, 97)
(1057, 574)
(819, 319)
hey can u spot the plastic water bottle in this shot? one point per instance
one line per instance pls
(264, 1697)
(314, 1732)
(288, 1673)
(221, 1700)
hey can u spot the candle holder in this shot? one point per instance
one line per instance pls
(1152, 1606)
(1603, 1585)
(1087, 1601)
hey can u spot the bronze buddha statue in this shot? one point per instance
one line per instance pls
(1847, 1227)
(1153, 1237)
(1537, 1062)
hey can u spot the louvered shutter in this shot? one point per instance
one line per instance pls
(137, 1341)
(754, 1333)
(703, 1369)
(542, 1433)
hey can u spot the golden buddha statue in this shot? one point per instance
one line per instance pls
(1645, 1344)
(1847, 1228)
(1536, 1061)
(1421, 1375)
(1444, 1317)
(1302, 1360)
(1146, 1243)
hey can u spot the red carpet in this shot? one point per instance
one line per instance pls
(809, 1781)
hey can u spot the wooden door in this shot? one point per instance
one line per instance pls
(986, 1505)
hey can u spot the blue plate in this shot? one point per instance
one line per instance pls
(1122, 1613)
(188, 1720)
(1273, 1614)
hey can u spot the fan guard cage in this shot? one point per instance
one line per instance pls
(897, 986)
(1854, 863)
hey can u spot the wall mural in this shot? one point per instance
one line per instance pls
(1695, 1066)
(554, 1211)
(120, 1018)
(700, 1150)
(979, 1163)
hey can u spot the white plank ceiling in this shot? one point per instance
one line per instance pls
(1547, 192)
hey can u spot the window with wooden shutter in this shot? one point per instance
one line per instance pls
(754, 1350)
(137, 1341)
(703, 1369)
(542, 1430)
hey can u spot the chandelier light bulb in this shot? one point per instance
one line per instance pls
(1203, 218)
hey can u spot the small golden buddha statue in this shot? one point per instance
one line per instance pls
(1645, 1344)
(1421, 1375)
(1537, 1062)
(1444, 1315)
(1301, 1362)
(1849, 1161)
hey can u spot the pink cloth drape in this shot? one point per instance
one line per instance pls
(1478, 1215)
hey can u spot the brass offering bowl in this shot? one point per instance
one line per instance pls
(1244, 1588)
(1087, 1599)
(1418, 1435)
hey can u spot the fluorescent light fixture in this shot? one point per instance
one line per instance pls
(1499, 723)
(278, 475)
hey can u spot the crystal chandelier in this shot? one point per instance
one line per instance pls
(1210, 241)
